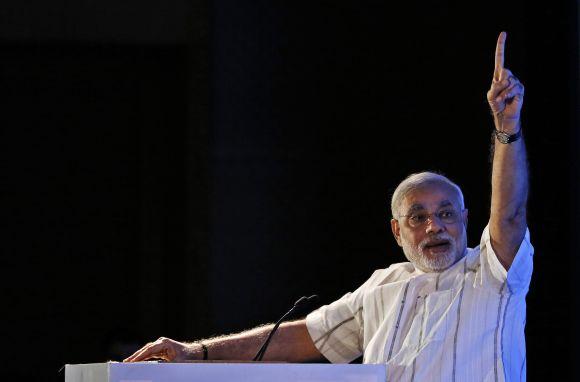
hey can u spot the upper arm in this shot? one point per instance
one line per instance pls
(506, 235)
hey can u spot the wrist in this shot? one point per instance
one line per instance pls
(204, 352)
(507, 137)
(197, 351)
(507, 125)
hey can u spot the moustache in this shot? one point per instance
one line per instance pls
(436, 240)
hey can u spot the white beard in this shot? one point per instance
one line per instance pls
(438, 263)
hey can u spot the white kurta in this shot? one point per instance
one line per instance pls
(464, 324)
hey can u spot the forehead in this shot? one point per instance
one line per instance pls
(431, 196)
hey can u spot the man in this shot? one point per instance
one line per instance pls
(450, 313)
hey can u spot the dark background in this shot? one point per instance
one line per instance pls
(189, 168)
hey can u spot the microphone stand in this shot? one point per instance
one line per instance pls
(298, 305)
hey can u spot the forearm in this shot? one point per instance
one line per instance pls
(509, 183)
(290, 343)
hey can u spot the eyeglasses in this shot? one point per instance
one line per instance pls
(445, 216)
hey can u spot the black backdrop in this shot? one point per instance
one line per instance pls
(188, 169)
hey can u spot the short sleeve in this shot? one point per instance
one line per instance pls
(337, 329)
(520, 273)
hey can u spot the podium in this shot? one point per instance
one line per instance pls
(222, 372)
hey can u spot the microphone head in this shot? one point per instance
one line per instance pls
(313, 298)
(304, 301)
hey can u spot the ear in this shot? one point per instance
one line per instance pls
(396, 228)
(465, 218)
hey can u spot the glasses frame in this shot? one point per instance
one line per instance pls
(430, 215)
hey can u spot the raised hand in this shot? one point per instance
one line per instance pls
(506, 94)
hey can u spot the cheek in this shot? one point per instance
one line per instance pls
(411, 238)
(458, 233)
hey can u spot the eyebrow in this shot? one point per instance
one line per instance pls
(419, 207)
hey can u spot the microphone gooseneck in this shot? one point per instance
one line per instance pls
(299, 305)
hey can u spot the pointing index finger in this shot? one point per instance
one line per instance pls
(499, 55)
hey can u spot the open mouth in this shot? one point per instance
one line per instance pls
(438, 245)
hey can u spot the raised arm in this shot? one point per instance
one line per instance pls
(509, 179)
(291, 343)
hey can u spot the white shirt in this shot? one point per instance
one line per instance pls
(464, 324)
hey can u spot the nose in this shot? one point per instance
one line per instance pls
(434, 225)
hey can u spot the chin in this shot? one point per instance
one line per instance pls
(445, 262)
(436, 264)
(439, 267)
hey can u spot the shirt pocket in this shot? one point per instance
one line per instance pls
(439, 313)
(432, 320)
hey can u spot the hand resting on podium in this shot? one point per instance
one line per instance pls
(291, 343)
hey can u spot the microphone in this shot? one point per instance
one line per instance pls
(299, 305)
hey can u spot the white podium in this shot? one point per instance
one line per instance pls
(222, 372)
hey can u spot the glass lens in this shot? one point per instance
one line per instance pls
(446, 216)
